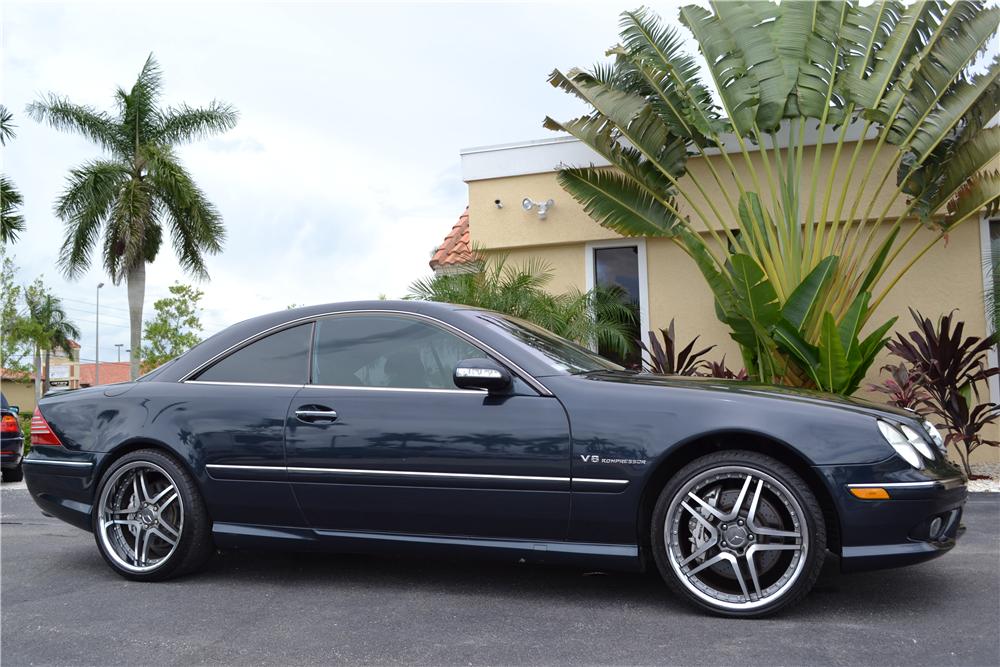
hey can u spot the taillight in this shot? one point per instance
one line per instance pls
(41, 434)
(9, 424)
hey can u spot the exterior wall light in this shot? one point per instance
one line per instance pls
(543, 207)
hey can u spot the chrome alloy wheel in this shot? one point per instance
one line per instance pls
(736, 537)
(141, 516)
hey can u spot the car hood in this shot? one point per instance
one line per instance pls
(743, 388)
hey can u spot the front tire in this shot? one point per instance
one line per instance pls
(739, 534)
(149, 521)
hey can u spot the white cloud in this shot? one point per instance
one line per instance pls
(343, 172)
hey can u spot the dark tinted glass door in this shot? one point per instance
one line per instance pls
(407, 452)
(618, 268)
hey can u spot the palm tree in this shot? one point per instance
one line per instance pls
(11, 220)
(806, 260)
(598, 317)
(140, 191)
(49, 329)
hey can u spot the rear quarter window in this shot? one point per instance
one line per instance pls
(279, 358)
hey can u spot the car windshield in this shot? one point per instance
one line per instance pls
(559, 353)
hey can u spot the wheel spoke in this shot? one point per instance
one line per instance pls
(711, 510)
(738, 505)
(173, 531)
(739, 575)
(161, 494)
(714, 534)
(764, 530)
(142, 485)
(136, 497)
(123, 522)
(752, 567)
(708, 563)
(144, 556)
(167, 502)
(160, 534)
(774, 547)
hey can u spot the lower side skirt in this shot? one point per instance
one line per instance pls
(623, 557)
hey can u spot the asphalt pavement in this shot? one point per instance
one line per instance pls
(62, 605)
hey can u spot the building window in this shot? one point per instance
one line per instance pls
(618, 267)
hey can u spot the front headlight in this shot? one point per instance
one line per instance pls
(935, 436)
(900, 443)
(918, 442)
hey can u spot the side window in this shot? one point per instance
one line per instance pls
(387, 351)
(281, 358)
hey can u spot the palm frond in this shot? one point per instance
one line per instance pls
(181, 124)
(85, 205)
(195, 225)
(11, 220)
(6, 125)
(95, 125)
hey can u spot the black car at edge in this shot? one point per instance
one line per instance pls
(11, 442)
(413, 427)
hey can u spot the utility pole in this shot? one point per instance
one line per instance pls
(97, 338)
(119, 346)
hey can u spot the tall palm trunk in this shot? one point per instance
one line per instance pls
(38, 372)
(45, 375)
(136, 280)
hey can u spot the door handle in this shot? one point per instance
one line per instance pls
(316, 415)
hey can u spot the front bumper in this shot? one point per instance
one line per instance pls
(919, 521)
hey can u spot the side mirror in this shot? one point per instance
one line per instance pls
(482, 374)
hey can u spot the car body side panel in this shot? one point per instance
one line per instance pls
(200, 424)
(623, 430)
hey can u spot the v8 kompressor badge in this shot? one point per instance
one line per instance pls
(597, 458)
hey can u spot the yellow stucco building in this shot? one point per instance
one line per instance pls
(953, 275)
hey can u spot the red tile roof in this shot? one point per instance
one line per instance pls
(16, 376)
(111, 372)
(457, 247)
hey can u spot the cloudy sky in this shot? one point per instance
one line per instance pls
(343, 173)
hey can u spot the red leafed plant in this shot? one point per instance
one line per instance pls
(949, 367)
(665, 359)
(718, 369)
(903, 388)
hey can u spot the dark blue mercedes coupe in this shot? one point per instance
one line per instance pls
(426, 428)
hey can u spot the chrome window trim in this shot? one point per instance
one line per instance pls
(244, 384)
(59, 463)
(520, 372)
(413, 473)
(951, 481)
(470, 392)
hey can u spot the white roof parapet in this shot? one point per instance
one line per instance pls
(544, 155)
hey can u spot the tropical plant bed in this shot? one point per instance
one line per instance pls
(985, 478)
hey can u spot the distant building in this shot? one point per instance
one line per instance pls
(112, 372)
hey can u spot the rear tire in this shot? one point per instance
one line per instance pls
(149, 520)
(13, 474)
(738, 534)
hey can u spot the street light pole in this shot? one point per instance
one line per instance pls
(119, 346)
(97, 337)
